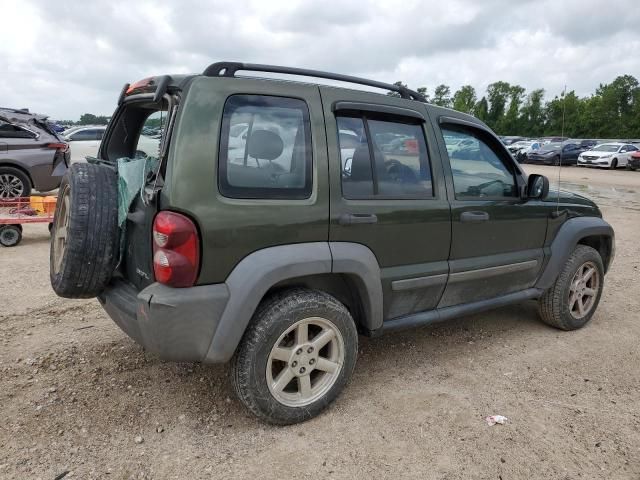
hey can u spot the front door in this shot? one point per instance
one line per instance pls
(388, 193)
(497, 236)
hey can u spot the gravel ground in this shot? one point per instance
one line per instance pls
(79, 396)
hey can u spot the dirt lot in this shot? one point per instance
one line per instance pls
(76, 392)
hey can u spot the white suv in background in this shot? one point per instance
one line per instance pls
(608, 155)
(84, 142)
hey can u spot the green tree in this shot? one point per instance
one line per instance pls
(464, 100)
(91, 119)
(481, 110)
(564, 116)
(442, 96)
(510, 124)
(497, 96)
(532, 115)
(423, 91)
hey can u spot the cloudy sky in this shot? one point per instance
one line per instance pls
(66, 57)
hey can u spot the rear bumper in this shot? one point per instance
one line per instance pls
(175, 323)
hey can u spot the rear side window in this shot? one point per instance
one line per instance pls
(383, 158)
(265, 148)
(84, 135)
(8, 130)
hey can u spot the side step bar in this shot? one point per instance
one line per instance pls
(448, 313)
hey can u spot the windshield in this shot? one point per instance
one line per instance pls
(605, 148)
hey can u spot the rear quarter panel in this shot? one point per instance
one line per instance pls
(231, 229)
(32, 156)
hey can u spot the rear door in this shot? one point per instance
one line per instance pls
(497, 235)
(387, 193)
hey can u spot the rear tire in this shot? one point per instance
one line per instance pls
(571, 302)
(14, 183)
(10, 235)
(277, 373)
(84, 238)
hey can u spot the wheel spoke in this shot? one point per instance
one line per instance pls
(321, 340)
(283, 379)
(326, 365)
(581, 309)
(589, 292)
(304, 385)
(282, 354)
(302, 334)
(572, 300)
(588, 274)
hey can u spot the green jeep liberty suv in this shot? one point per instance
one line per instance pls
(277, 220)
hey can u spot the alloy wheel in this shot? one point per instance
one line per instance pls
(61, 231)
(583, 290)
(305, 362)
(11, 186)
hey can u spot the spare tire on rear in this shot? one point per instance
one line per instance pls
(84, 238)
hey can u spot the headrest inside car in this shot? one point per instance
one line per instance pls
(265, 145)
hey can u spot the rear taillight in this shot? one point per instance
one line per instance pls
(176, 250)
(63, 147)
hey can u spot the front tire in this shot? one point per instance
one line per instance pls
(572, 300)
(614, 164)
(296, 356)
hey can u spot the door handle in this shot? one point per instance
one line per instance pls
(474, 217)
(354, 218)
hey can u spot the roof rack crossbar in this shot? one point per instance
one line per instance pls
(229, 69)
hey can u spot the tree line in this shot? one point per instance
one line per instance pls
(87, 119)
(612, 111)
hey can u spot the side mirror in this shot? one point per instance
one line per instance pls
(537, 187)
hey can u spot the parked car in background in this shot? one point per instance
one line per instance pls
(32, 155)
(546, 140)
(521, 149)
(608, 155)
(84, 142)
(634, 160)
(588, 144)
(556, 153)
(510, 140)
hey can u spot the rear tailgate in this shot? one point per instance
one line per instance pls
(124, 142)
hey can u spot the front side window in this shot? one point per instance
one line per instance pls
(478, 170)
(383, 158)
(265, 148)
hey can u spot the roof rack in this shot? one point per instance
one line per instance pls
(229, 69)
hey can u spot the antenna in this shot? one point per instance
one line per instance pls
(564, 108)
